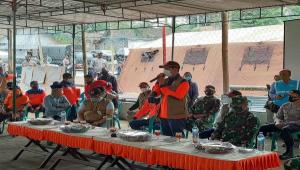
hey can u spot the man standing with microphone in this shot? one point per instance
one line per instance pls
(173, 104)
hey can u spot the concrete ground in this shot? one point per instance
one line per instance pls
(9, 146)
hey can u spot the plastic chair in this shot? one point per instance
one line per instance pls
(252, 141)
(3, 126)
(116, 117)
(150, 127)
(275, 135)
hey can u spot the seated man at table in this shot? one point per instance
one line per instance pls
(91, 84)
(143, 96)
(56, 102)
(221, 114)
(239, 126)
(97, 108)
(146, 111)
(21, 103)
(287, 121)
(71, 93)
(36, 98)
(204, 110)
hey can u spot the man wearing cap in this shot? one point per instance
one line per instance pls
(222, 113)
(143, 96)
(56, 102)
(90, 83)
(97, 108)
(287, 121)
(204, 110)
(193, 91)
(98, 63)
(146, 110)
(174, 93)
(239, 126)
(36, 98)
(280, 90)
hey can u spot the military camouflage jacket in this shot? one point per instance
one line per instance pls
(237, 128)
(207, 106)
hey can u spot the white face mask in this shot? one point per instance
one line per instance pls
(144, 89)
(226, 100)
(167, 72)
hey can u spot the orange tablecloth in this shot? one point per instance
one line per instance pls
(69, 140)
(122, 150)
(192, 162)
(149, 154)
(22, 130)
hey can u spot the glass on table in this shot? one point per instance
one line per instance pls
(178, 136)
(157, 132)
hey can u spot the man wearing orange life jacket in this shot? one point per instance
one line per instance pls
(146, 109)
(71, 93)
(173, 104)
(36, 98)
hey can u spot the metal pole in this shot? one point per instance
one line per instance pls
(173, 36)
(83, 50)
(10, 57)
(73, 52)
(14, 10)
(225, 52)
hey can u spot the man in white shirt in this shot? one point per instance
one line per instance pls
(98, 63)
(29, 61)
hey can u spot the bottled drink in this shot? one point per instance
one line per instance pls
(109, 122)
(261, 142)
(195, 133)
(63, 116)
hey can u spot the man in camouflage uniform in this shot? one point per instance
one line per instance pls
(204, 110)
(239, 126)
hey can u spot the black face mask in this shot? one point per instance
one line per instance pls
(209, 93)
(292, 99)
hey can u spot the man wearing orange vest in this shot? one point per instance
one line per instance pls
(174, 91)
(36, 98)
(146, 109)
(70, 91)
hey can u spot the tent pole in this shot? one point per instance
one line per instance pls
(14, 10)
(83, 50)
(225, 52)
(73, 51)
(173, 36)
(9, 47)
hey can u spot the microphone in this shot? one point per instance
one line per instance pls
(157, 77)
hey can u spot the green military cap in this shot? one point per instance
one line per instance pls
(238, 100)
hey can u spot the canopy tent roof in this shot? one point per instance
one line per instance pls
(51, 13)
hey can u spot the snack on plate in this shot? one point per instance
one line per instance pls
(75, 128)
(40, 121)
(215, 147)
(75, 121)
(134, 136)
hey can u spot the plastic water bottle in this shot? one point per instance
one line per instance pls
(261, 142)
(109, 122)
(63, 116)
(195, 133)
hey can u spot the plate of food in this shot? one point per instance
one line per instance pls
(215, 147)
(246, 150)
(40, 121)
(134, 136)
(75, 128)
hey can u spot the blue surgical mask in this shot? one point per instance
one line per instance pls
(187, 78)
